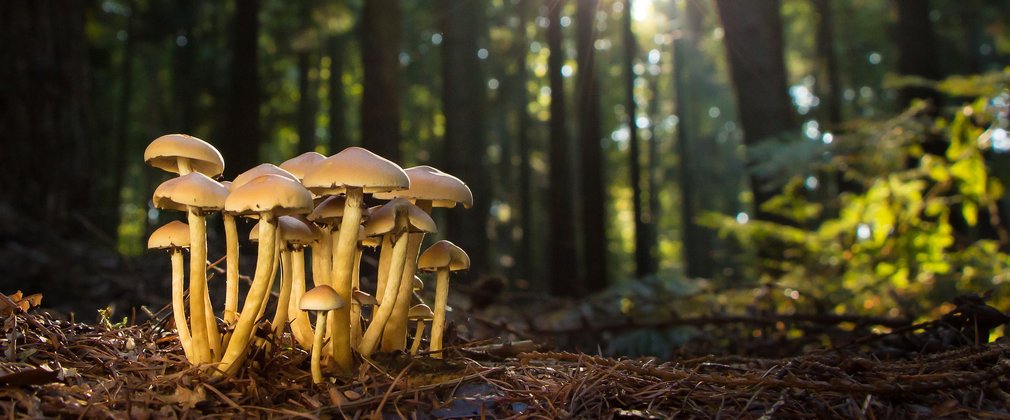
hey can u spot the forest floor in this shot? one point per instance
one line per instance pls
(90, 354)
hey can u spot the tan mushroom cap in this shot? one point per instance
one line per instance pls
(427, 183)
(320, 298)
(363, 298)
(355, 167)
(193, 190)
(369, 241)
(174, 234)
(261, 169)
(383, 220)
(269, 193)
(443, 254)
(293, 231)
(331, 211)
(417, 284)
(164, 153)
(302, 163)
(420, 312)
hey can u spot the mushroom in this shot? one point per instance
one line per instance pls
(182, 154)
(429, 187)
(268, 197)
(231, 238)
(352, 172)
(321, 299)
(174, 236)
(295, 235)
(196, 194)
(419, 313)
(396, 218)
(442, 257)
(301, 164)
(358, 299)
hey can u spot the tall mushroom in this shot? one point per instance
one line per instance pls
(352, 172)
(196, 194)
(396, 218)
(267, 197)
(321, 299)
(442, 257)
(295, 236)
(231, 237)
(429, 187)
(302, 163)
(182, 154)
(174, 237)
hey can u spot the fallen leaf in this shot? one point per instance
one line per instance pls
(29, 377)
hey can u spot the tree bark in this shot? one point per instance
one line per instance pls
(45, 167)
(753, 39)
(380, 102)
(593, 201)
(561, 240)
(241, 134)
(463, 96)
(306, 90)
(523, 144)
(644, 260)
(916, 49)
(338, 120)
(829, 81)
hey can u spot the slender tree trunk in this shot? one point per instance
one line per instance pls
(463, 95)
(830, 81)
(698, 241)
(110, 223)
(643, 254)
(916, 49)
(241, 141)
(184, 74)
(44, 110)
(523, 144)
(561, 240)
(338, 120)
(306, 90)
(753, 39)
(652, 176)
(587, 100)
(380, 102)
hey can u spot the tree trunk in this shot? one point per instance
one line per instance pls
(561, 240)
(753, 39)
(916, 49)
(523, 145)
(698, 241)
(184, 72)
(593, 201)
(338, 121)
(306, 90)
(829, 81)
(644, 260)
(241, 142)
(380, 102)
(463, 96)
(46, 161)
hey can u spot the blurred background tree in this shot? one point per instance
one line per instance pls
(595, 134)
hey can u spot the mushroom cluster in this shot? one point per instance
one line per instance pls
(315, 202)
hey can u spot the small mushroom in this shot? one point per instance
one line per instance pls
(442, 257)
(358, 299)
(301, 164)
(322, 300)
(295, 236)
(419, 314)
(174, 236)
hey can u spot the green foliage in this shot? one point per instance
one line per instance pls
(911, 229)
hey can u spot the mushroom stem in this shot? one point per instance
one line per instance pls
(273, 276)
(395, 335)
(381, 315)
(260, 286)
(231, 267)
(198, 286)
(301, 329)
(343, 259)
(213, 335)
(380, 278)
(179, 303)
(438, 321)
(356, 308)
(322, 257)
(281, 313)
(317, 347)
(418, 332)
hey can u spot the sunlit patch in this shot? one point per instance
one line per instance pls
(863, 231)
(874, 58)
(828, 138)
(811, 183)
(742, 218)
